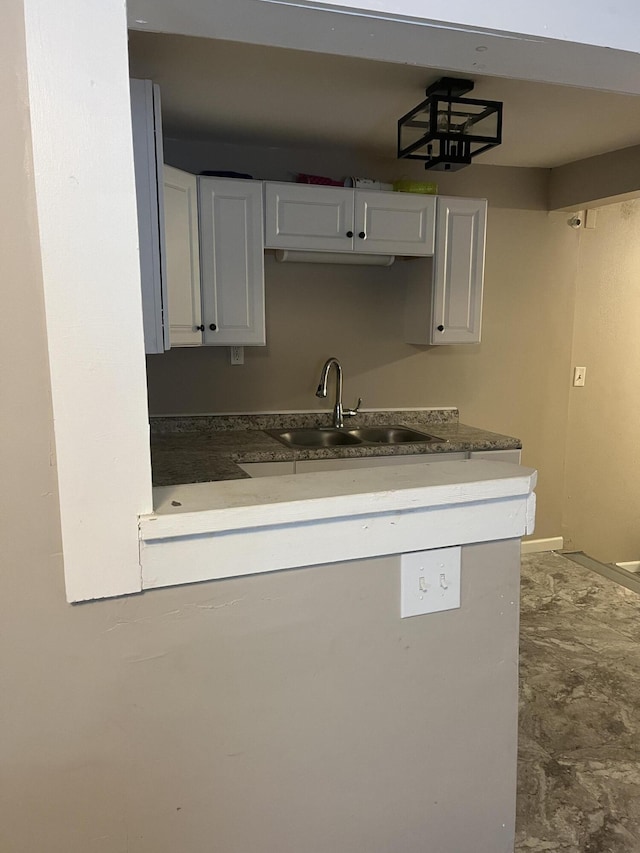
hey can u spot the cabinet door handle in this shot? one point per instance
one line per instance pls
(362, 235)
(199, 328)
(441, 328)
(213, 327)
(349, 233)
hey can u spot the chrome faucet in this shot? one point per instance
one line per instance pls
(339, 412)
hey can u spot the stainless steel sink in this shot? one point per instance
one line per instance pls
(333, 437)
(391, 435)
(329, 437)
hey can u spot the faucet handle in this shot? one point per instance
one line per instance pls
(349, 413)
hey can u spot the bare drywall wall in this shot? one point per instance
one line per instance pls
(602, 492)
(514, 382)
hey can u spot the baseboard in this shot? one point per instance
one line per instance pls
(632, 566)
(534, 546)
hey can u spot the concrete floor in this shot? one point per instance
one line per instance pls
(579, 764)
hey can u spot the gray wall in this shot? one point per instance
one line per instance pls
(291, 712)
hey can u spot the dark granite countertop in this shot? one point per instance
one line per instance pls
(200, 449)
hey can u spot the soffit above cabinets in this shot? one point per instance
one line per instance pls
(247, 93)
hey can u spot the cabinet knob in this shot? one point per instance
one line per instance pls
(441, 328)
(199, 328)
(362, 235)
(349, 233)
(213, 327)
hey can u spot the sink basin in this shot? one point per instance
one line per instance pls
(391, 435)
(320, 437)
(332, 437)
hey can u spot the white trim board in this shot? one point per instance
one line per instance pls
(536, 546)
(374, 31)
(78, 74)
(77, 66)
(217, 530)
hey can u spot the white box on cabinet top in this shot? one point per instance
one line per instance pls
(450, 311)
(336, 219)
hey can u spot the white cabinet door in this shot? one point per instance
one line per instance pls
(300, 216)
(458, 272)
(182, 257)
(146, 125)
(394, 223)
(232, 256)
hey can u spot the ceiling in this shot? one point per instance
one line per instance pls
(245, 93)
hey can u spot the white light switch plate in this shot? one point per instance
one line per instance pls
(429, 581)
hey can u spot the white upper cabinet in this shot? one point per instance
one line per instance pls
(458, 273)
(336, 219)
(232, 261)
(301, 216)
(146, 125)
(444, 303)
(182, 257)
(394, 223)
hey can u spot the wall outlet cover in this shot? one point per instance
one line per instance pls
(237, 354)
(430, 581)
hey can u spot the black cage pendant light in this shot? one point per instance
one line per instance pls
(447, 130)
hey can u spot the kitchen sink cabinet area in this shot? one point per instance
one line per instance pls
(201, 449)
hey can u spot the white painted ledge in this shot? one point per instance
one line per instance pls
(214, 530)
